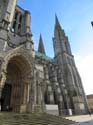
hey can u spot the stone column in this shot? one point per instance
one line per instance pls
(39, 96)
(1, 60)
(42, 99)
(38, 107)
(1, 87)
(65, 95)
(25, 97)
(0, 95)
(27, 21)
(33, 91)
(25, 94)
(50, 97)
(2, 78)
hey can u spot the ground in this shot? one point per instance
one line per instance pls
(82, 119)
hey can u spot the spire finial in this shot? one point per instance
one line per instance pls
(57, 21)
(57, 24)
(41, 45)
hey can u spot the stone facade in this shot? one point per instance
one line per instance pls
(30, 80)
(90, 102)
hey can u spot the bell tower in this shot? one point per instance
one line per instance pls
(7, 9)
(15, 27)
(65, 61)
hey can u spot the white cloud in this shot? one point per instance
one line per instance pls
(85, 67)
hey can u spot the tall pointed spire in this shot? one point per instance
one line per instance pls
(41, 46)
(56, 20)
(58, 27)
(57, 24)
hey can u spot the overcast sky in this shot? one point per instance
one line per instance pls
(75, 17)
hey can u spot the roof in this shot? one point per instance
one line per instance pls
(42, 56)
(90, 96)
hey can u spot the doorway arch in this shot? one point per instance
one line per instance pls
(16, 83)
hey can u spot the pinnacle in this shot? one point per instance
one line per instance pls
(57, 24)
(56, 20)
(41, 48)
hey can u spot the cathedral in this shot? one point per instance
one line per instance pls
(30, 81)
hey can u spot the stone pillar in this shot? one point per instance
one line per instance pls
(60, 106)
(65, 97)
(29, 43)
(50, 97)
(1, 86)
(25, 97)
(26, 93)
(27, 21)
(39, 94)
(43, 99)
(0, 95)
(33, 91)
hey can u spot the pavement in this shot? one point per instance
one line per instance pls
(82, 119)
(84, 123)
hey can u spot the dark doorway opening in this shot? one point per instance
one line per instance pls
(6, 98)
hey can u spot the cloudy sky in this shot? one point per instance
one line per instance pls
(75, 17)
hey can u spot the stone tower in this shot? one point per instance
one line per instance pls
(73, 92)
(6, 17)
(16, 57)
(15, 25)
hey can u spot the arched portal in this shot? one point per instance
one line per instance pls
(15, 93)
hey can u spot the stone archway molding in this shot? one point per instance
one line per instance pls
(14, 53)
(26, 58)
